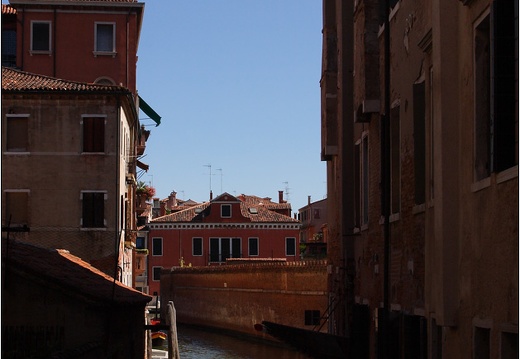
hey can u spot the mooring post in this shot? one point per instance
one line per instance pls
(173, 344)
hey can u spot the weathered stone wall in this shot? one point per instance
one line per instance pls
(236, 297)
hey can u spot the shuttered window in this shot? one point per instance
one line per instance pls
(93, 134)
(93, 209)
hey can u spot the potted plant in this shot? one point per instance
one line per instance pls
(145, 191)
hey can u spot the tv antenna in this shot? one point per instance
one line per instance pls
(221, 174)
(286, 190)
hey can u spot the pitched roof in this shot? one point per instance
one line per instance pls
(68, 271)
(20, 81)
(264, 211)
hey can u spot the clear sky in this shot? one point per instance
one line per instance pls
(237, 85)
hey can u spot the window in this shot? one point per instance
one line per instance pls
(395, 160)
(312, 317)
(316, 213)
(8, 48)
(509, 345)
(197, 246)
(17, 137)
(482, 100)
(156, 274)
(357, 184)
(105, 37)
(225, 211)
(361, 180)
(431, 137)
(16, 207)
(140, 243)
(496, 83)
(93, 133)
(222, 248)
(436, 340)
(419, 140)
(481, 345)
(157, 246)
(93, 215)
(253, 246)
(41, 36)
(364, 179)
(290, 246)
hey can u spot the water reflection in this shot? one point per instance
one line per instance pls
(199, 344)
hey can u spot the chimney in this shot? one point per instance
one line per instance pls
(308, 199)
(172, 200)
(210, 195)
(162, 211)
(280, 197)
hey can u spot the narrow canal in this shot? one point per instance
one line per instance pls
(195, 343)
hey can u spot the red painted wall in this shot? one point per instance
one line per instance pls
(177, 243)
(72, 56)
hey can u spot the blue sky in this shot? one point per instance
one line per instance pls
(237, 85)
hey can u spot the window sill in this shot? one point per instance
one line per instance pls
(419, 208)
(393, 12)
(393, 218)
(11, 153)
(480, 185)
(104, 53)
(508, 174)
(86, 229)
(93, 153)
(40, 52)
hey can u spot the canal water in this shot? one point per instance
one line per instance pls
(196, 343)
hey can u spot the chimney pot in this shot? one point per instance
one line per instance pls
(280, 197)
(162, 211)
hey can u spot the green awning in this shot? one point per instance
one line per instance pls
(149, 111)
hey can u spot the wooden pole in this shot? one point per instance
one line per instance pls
(171, 320)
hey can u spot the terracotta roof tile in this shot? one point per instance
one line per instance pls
(264, 208)
(68, 271)
(19, 81)
(8, 9)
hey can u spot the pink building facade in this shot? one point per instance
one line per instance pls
(226, 227)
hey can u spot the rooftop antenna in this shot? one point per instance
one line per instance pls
(286, 190)
(221, 174)
(209, 165)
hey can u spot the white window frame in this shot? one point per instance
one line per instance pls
(286, 245)
(153, 247)
(222, 210)
(49, 50)
(153, 274)
(98, 52)
(201, 247)
(220, 248)
(249, 247)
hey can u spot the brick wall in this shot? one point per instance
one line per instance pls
(236, 297)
